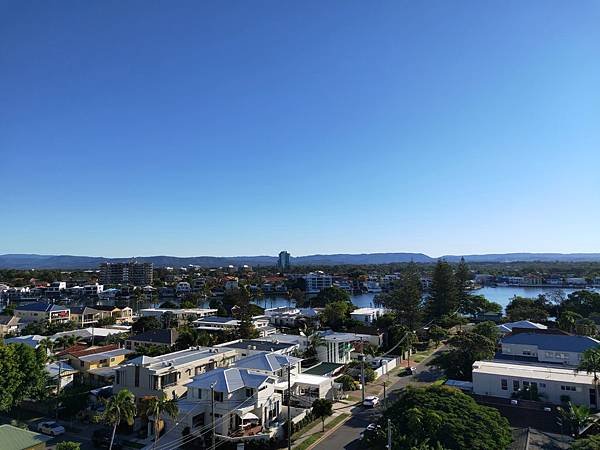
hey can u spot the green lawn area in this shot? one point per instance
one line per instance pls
(315, 437)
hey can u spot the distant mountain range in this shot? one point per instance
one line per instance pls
(33, 261)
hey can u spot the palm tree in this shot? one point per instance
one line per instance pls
(62, 341)
(119, 407)
(590, 363)
(156, 407)
(47, 345)
(567, 320)
(574, 418)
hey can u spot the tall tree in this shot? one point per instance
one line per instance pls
(590, 363)
(118, 408)
(443, 298)
(157, 408)
(568, 320)
(573, 418)
(462, 277)
(406, 299)
(322, 408)
(22, 374)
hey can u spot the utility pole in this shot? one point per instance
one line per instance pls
(384, 396)
(212, 413)
(362, 369)
(59, 362)
(289, 412)
(389, 435)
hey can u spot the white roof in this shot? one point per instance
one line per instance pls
(507, 327)
(86, 333)
(343, 337)
(314, 380)
(366, 311)
(33, 340)
(180, 358)
(532, 371)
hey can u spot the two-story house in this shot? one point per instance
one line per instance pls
(163, 337)
(167, 375)
(41, 311)
(96, 365)
(245, 403)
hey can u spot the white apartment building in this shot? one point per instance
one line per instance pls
(317, 281)
(168, 374)
(56, 287)
(181, 315)
(554, 384)
(92, 289)
(367, 315)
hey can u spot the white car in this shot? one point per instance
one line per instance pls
(371, 428)
(371, 401)
(51, 428)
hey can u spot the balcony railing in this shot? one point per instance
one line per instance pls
(248, 430)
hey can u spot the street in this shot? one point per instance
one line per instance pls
(348, 435)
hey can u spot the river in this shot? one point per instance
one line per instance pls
(500, 294)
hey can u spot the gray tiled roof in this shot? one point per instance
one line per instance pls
(267, 361)
(229, 380)
(555, 342)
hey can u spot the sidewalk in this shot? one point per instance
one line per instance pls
(318, 428)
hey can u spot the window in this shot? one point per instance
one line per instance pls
(542, 385)
(199, 395)
(249, 392)
(525, 384)
(117, 377)
(198, 420)
(567, 388)
(218, 396)
(504, 384)
(137, 376)
(516, 386)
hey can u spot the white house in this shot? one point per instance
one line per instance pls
(506, 328)
(261, 323)
(367, 315)
(245, 403)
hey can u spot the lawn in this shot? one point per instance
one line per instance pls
(315, 437)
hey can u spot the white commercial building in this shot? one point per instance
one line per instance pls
(554, 384)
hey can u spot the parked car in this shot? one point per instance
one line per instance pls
(101, 439)
(371, 402)
(51, 428)
(371, 428)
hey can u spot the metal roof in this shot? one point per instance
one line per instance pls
(13, 438)
(555, 342)
(229, 380)
(270, 362)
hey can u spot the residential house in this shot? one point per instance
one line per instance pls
(15, 438)
(62, 370)
(337, 347)
(167, 375)
(301, 341)
(33, 340)
(181, 316)
(97, 364)
(545, 346)
(89, 315)
(165, 337)
(41, 311)
(506, 328)
(249, 347)
(245, 403)
(367, 315)
(9, 324)
(214, 323)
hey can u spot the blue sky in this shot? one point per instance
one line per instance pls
(230, 128)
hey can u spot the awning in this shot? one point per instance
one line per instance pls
(249, 416)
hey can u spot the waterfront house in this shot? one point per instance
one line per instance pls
(214, 323)
(366, 315)
(41, 311)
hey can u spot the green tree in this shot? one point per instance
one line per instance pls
(145, 323)
(443, 298)
(586, 327)
(437, 334)
(22, 374)
(590, 363)
(443, 417)
(336, 313)
(405, 300)
(322, 408)
(348, 383)
(465, 348)
(589, 443)
(120, 407)
(521, 308)
(462, 277)
(487, 329)
(68, 445)
(192, 337)
(331, 294)
(478, 304)
(567, 320)
(573, 418)
(157, 408)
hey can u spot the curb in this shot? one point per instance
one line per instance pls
(329, 432)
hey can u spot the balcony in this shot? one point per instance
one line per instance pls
(247, 430)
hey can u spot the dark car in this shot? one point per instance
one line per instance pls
(101, 439)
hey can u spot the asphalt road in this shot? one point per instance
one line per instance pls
(348, 435)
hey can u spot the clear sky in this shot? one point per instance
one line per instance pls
(247, 127)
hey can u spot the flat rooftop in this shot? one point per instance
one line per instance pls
(253, 344)
(322, 368)
(533, 371)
